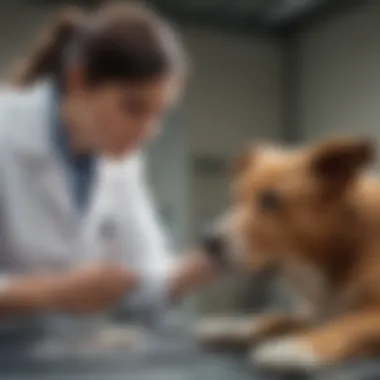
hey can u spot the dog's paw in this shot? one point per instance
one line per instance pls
(225, 331)
(285, 354)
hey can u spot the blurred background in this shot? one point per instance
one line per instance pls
(284, 70)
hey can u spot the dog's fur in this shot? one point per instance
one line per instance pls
(314, 213)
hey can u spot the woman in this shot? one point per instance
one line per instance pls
(94, 89)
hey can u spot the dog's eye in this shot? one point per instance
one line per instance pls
(269, 201)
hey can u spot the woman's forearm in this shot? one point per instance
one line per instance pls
(24, 295)
(81, 291)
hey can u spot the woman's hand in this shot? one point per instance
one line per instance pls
(83, 290)
(92, 289)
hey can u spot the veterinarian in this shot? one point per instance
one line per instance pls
(78, 230)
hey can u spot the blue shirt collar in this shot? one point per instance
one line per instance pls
(80, 168)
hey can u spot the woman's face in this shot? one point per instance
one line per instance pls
(116, 118)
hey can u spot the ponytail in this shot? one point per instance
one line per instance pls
(46, 56)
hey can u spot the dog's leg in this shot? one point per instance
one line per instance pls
(350, 336)
(244, 331)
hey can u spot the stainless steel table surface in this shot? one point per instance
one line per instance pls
(170, 356)
(174, 357)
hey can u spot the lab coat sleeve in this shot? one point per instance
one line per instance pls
(145, 243)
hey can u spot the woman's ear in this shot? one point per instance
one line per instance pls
(340, 160)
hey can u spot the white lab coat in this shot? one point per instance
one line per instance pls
(40, 227)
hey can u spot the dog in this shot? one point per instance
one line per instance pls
(314, 213)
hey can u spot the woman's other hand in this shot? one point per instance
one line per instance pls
(85, 290)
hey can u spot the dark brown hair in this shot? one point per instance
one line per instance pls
(116, 42)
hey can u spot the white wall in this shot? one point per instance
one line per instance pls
(235, 92)
(234, 97)
(340, 81)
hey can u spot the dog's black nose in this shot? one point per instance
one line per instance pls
(214, 246)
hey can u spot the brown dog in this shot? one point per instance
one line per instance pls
(315, 214)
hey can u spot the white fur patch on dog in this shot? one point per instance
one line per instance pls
(285, 354)
(226, 329)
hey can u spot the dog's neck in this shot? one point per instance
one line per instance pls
(321, 277)
(335, 248)
(336, 258)
(322, 269)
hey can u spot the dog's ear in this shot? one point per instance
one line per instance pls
(340, 160)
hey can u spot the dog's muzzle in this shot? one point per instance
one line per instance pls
(214, 245)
